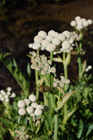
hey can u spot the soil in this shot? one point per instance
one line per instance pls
(18, 28)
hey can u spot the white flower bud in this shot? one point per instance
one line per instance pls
(56, 41)
(38, 112)
(42, 34)
(2, 92)
(13, 95)
(39, 107)
(86, 70)
(27, 101)
(89, 21)
(6, 100)
(53, 33)
(85, 24)
(37, 59)
(61, 84)
(55, 84)
(49, 38)
(21, 104)
(73, 23)
(38, 39)
(89, 67)
(34, 105)
(41, 65)
(66, 45)
(1, 96)
(51, 47)
(6, 96)
(2, 99)
(61, 37)
(45, 43)
(83, 19)
(9, 89)
(77, 18)
(22, 111)
(30, 45)
(53, 70)
(37, 68)
(67, 34)
(8, 93)
(36, 46)
(67, 81)
(43, 72)
(30, 109)
(32, 98)
(79, 27)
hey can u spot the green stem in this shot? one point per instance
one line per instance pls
(56, 127)
(80, 66)
(37, 90)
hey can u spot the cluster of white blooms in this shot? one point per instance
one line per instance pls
(52, 41)
(80, 23)
(41, 64)
(60, 83)
(29, 106)
(5, 95)
(88, 68)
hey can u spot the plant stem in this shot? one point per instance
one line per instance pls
(80, 66)
(56, 126)
(37, 90)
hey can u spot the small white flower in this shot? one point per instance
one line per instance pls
(83, 19)
(42, 34)
(79, 27)
(8, 93)
(39, 107)
(51, 47)
(38, 39)
(43, 72)
(89, 21)
(73, 23)
(6, 96)
(77, 18)
(27, 101)
(37, 68)
(9, 89)
(30, 45)
(30, 109)
(49, 38)
(66, 44)
(53, 69)
(85, 24)
(22, 111)
(2, 99)
(1, 96)
(13, 95)
(38, 112)
(89, 67)
(86, 69)
(67, 81)
(67, 34)
(36, 46)
(21, 104)
(45, 43)
(32, 98)
(6, 100)
(2, 92)
(37, 59)
(53, 33)
(55, 84)
(61, 37)
(34, 105)
(56, 41)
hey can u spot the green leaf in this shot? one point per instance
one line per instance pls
(29, 69)
(81, 127)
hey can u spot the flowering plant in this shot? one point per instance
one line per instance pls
(53, 108)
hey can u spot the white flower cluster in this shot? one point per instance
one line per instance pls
(60, 83)
(41, 64)
(88, 68)
(5, 95)
(29, 106)
(52, 41)
(80, 23)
